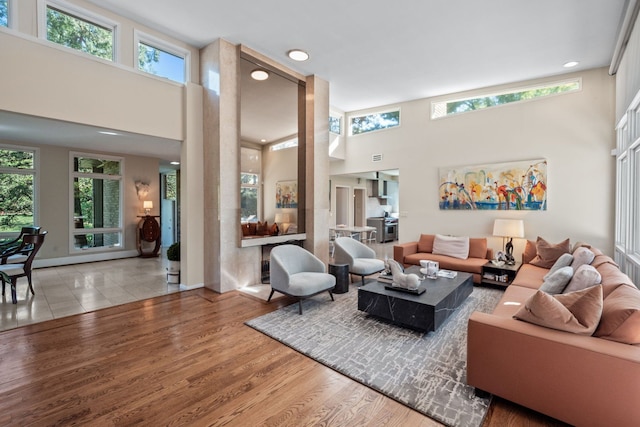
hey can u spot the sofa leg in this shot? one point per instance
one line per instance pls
(481, 393)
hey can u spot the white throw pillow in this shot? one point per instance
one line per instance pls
(584, 277)
(456, 247)
(565, 260)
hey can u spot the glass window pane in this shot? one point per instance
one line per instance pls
(16, 201)
(95, 165)
(335, 125)
(79, 34)
(249, 203)
(161, 63)
(96, 240)
(375, 121)
(4, 13)
(96, 203)
(16, 159)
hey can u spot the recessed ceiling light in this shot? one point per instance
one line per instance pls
(175, 163)
(570, 64)
(298, 55)
(259, 74)
(104, 132)
(263, 140)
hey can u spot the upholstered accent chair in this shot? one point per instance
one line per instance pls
(30, 246)
(298, 273)
(361, 258)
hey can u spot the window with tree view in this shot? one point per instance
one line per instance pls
(79, 33)
(17, 188)
(97, 189)
(161, 63)
(374, 121)
(4, 13)
(249, 196)
(447, 108)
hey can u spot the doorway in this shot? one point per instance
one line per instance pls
(359, 207)
(342, 205)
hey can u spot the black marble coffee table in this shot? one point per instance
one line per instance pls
(424, 312)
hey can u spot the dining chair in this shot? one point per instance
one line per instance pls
(31, 244)
(10, 246)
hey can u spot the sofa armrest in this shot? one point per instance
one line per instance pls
(489, 254)
(578, 379)
(404, 249)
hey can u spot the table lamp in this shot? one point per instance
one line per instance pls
(508, 228)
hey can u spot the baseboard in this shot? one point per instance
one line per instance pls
(190, 287)
(79, 259)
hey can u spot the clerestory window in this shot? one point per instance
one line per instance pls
(161, 59)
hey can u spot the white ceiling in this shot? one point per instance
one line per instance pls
(372, 52)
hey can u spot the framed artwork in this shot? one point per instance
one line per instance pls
(518, 185)
(286, 194)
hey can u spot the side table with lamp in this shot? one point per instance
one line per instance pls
(148, 231)
(501, 272)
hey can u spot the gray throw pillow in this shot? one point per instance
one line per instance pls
(556, 282)
(582, 256)
(584, 277)
(564, 261)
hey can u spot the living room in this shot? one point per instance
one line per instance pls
(573, 132)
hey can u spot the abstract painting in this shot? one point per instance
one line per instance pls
(286, 194)
(518, 185)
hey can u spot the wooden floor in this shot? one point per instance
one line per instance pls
(186, 359)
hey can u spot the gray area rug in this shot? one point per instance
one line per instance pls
(426, 372)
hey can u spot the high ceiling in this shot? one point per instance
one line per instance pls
(377, 52)
(372, 52)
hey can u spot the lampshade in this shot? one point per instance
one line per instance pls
(286, 218)
(278, 217)
(147, 204)
(508, 228)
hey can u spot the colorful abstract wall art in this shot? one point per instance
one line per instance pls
(500, 186)
(286, 194)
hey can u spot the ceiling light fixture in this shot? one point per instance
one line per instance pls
(570, 64)
(175, 163)
(298, 55)
(259, 74)
(104, 132)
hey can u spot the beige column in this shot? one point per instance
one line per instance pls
(317, 164)
(191, 190)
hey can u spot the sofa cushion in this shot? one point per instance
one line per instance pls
(456, 247)
(584, 277)
(478, 247)
(425, 244)
(548, 253)
(621, 316)
(576, 312)
(582, 256)
(529, 252)
(530, 276)
(557, 281)
(565, 260)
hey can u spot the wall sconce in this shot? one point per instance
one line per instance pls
(147, 205)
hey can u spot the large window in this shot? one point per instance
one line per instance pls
(374, 121)
(96, 202)
(159, 58)
(457, 106)
(4, 13)
(17, 188)
(251, 168)
(80, 31)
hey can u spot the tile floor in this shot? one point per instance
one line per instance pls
(80, 288)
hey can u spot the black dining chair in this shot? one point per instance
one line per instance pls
(30, 246)
(7, 249)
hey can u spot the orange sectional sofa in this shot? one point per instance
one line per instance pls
(582, 380)
(413, 252)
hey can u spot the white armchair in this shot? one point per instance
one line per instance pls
(361, 258)
(296, 272)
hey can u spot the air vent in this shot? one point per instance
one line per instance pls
(376, 158)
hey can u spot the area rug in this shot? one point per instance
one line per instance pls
(425, 371)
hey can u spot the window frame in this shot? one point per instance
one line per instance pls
(513, 90)
(103, 230)
(83, 14)
(36, 181)
(372, 113)
(155, 42)
(12, 13)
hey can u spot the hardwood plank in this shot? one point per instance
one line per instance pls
(186, 359)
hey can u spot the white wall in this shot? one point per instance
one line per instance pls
(280, 165)
(574, 132)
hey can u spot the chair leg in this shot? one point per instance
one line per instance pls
(14, 296)
(300, 306)
(30, 284)
(363, 280)
(270, 295)
(3, 283)
(331, 295)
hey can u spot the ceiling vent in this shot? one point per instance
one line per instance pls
(376, 158)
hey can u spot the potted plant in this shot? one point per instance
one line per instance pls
(173, 269)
